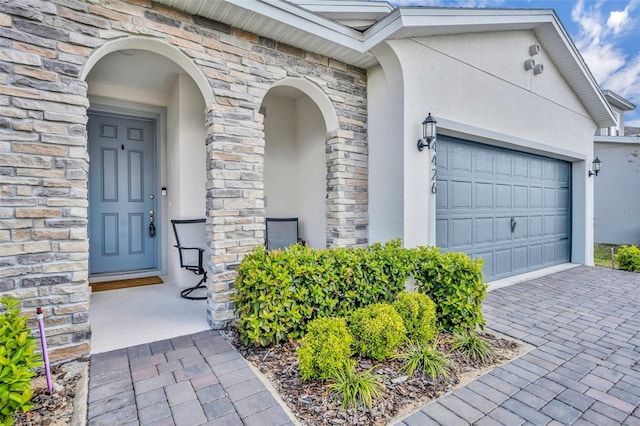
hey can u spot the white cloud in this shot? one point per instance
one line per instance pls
(597, 41)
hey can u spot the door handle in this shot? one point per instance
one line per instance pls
(152, 226)
(513, 224)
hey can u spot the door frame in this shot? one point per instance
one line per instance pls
(129, 109)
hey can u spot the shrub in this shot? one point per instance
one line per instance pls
(17, 359)
(419, 315)
(378, 331)
(474, 346)
(426, 359)
(354, 387)
(628, 258)
(279, 292)
(454, 282)
(325, 348)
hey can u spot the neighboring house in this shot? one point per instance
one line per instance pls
(617, 193)
(239, 110)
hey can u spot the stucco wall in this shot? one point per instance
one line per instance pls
(477, 88)
(617, 194)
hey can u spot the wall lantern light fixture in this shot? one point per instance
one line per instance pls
(429, 130)
(595, 167)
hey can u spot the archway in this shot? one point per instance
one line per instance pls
(298, 116)
(139, 78)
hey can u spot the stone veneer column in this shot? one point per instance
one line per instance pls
(347, 189)
(235, 199)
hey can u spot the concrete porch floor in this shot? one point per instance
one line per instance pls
(139, 315)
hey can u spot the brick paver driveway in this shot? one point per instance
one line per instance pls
(585, 369)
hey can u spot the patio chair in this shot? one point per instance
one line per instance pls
(282, 233)
(191, 244)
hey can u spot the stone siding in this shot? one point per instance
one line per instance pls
(44, 164)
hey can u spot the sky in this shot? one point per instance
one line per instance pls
(606, 32)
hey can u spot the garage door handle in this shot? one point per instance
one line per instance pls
(513, 224)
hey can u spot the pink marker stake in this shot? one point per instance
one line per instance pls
(45, 355)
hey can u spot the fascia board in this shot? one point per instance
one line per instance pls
(297, 17)
(584, 83)
(628, 140)
(618, 100)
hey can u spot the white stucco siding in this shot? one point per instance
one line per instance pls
(186, 164)
(476, 86)
(617, 194)
(386, 152)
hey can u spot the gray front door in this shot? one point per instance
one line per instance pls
(510, 208)
(122, 201)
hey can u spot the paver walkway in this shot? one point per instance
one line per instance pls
(585, 369)
(189, 380)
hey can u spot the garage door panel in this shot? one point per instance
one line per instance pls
(564, 173)
(482, 188)
(502, 262)
(535, 226)
(459, 159)
(483, 195)
(549, 198)
(563, 250)
(502, 229)
(535, 256)
(520, 259)
(562, 225)
(520, 230)
(549, 171)
(483, 162)
(520, 197)
(535, 169)
(502, 164)
(442, 198)
(549, 252)
(487, 256)
(549, 226)
(483, 230)
(503, 196)
(521, 167)
(461, 233)
(460, 195)
(442, 232)
(535, 197)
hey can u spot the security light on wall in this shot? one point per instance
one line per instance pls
(429, 130)
(538, 69)
(595, 167)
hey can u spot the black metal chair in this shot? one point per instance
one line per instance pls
(191, 243)
(282, 233)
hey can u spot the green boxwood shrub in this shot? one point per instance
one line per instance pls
(419, 315)
(324, 349)
(279, 292)
(378, 331)
(628, 258)
(454, 282)
(17, 360)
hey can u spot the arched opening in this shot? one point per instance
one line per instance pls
(133, 83)
(295, 171)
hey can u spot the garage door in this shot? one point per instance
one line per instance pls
(510, 208)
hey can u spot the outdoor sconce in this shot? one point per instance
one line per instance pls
(595, 167)
(428, 133)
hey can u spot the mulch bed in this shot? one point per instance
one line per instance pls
(56, 408)
(313, 404)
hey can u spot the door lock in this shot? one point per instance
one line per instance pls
(513, 224)
(152, 227)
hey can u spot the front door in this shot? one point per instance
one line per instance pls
(122, 202)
